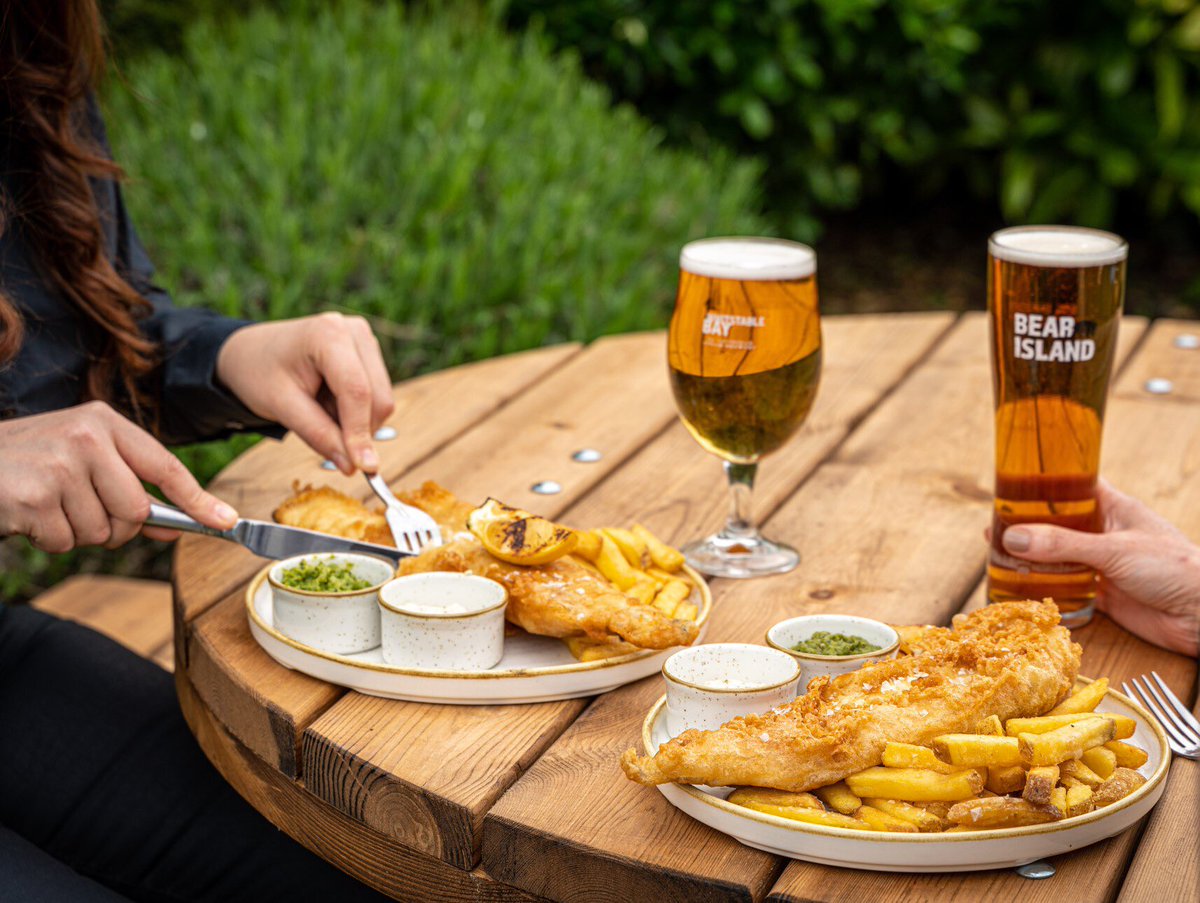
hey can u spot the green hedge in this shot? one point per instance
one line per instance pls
(468, 191)
(1049, 111)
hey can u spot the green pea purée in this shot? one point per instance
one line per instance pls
(825, 643)
(315, 576)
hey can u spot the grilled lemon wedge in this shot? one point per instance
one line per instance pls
(519, 537)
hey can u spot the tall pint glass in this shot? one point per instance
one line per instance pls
(1054, 299)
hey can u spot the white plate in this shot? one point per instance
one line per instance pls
(533, 669)
(958, 852)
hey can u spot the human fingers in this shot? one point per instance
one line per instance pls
(1046, 543)
(51, 531)
(382, 400)
(342, 368)
(312, 422)
(124, 498)
(1166, 629)
(151, 462)
(1124, 512)
(160, 534)
(86, 515)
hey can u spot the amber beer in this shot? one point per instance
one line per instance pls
(745, 356)
(744, 353)
(1054, 298)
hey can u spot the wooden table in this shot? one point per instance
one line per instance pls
(885, 492)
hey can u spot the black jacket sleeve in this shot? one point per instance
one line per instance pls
(194, 406)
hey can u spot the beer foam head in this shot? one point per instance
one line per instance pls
(748, 259)
(1058, 246)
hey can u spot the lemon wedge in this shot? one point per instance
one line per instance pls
(518, 537)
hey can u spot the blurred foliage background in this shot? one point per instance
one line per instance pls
(482, 177)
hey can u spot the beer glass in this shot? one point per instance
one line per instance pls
(745, 358)
(1054, 302)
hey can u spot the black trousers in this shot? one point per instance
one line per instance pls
(105, 795)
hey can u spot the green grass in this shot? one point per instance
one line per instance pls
(466, 189)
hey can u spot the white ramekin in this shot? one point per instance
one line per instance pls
(711, 684)
(341, 623)
(788, 633)
(442, 620)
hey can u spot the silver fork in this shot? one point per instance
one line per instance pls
(412, 529)
(1183, 730)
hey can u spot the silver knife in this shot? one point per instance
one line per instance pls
(269, 540)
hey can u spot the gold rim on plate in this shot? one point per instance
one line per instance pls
(1074, 821)
(572, 668)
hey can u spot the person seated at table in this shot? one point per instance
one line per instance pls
(1150, 571)
(103, 790)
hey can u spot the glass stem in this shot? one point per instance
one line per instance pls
(740, 524)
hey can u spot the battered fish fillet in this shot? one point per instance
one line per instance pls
(329, 511)
(1011, 660)
(560, 599)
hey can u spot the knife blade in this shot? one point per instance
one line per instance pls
(269, 540)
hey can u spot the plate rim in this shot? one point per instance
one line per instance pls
(256, 582)
(1066, 824)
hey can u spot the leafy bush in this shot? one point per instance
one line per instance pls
(1052, 111)
(462, 187)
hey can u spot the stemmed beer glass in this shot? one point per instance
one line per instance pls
(745, 360)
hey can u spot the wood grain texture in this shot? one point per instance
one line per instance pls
(426, 774)
(1166, 866)
(864, 359)
(256, 699)
(573, 805)
(430, 411)
(911, 461)
(372, 858)
(135, 613)
(432, 788)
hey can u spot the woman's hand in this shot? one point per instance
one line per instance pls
(1149, 571)
(73, 478)
(322, 377)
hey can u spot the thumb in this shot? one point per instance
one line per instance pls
(1044, 543)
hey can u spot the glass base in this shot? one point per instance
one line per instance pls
(740, 556)
(1073, 588)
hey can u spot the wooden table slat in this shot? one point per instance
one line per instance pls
(368, 855)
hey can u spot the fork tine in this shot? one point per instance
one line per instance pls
(1144, 698)
(1180, 709)
(1181, 726)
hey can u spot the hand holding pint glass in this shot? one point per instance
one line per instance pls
(1054, 300)
(745, 360)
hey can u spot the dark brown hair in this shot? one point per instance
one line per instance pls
(51, 59)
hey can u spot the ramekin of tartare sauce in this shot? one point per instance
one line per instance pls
(442, 621)
(711, 684)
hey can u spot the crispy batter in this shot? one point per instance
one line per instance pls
(442, 505)
(329, 511)
(1009, 660)
(560, 599)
